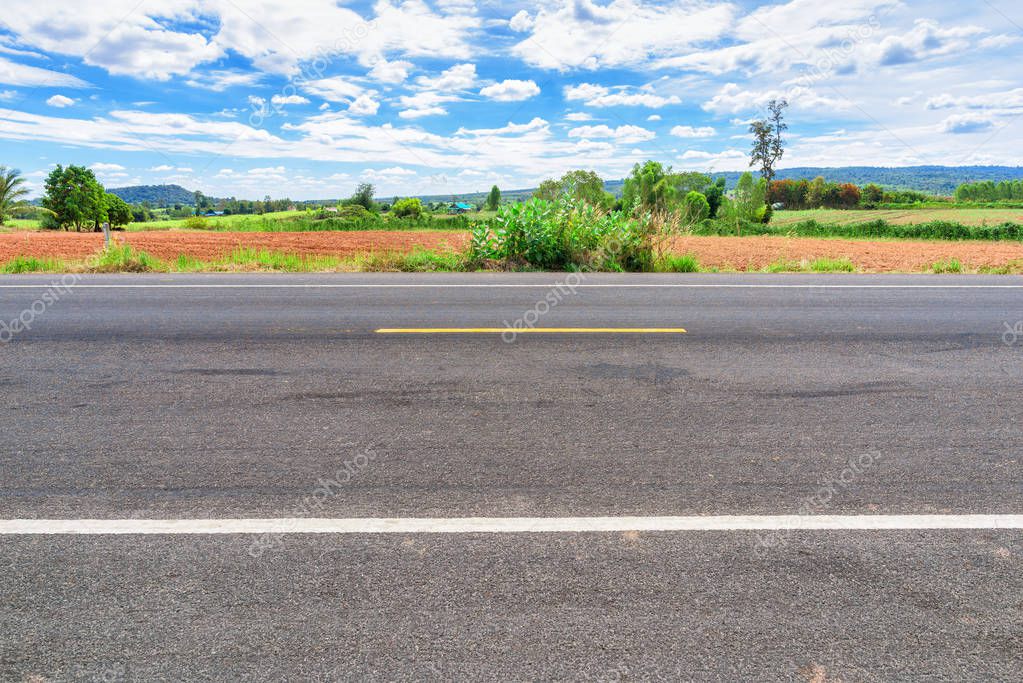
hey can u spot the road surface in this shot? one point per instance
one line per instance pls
(274, 397)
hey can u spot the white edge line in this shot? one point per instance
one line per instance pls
(501, 525)
(635, 285)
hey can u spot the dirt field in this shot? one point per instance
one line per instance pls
(754, 253)
(902, 216)
(740, 253)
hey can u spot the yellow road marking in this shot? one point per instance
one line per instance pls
(531, 330)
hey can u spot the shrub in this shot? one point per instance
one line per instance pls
(196, 223)
(407, 208)
(695, 207)
(564, 234)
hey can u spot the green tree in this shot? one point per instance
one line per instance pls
(653, 187)
(580, 185)
(118, 212)
(407, 208)
(695, 207)
(715, 195)
(750, 199)
(768, 143)
(11, 190)
(494, 198)
(75, 197)
(364, 196)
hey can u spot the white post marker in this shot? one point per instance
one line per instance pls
(106, 235)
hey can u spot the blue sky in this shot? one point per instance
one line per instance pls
(306, 98)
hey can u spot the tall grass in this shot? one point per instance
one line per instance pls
(29, 264)
(123, 259)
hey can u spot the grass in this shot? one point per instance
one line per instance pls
(686, 263)
(832, 265)
(878, 229)
(947, 266)
(29, 264)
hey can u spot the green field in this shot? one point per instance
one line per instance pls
(966, 216)
(284, 221)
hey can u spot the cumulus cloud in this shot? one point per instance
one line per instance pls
(967, 123)
(572, 34)
(521, 22)
(390, 72)
(60, 101)
(511, 91)
(600, 96)
(691, 132)
(626, 134)
(364, 105)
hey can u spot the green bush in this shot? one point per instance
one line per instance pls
(196, 223)
(408, 208)
(563, 234)
(695, 207)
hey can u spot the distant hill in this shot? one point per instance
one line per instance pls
(157, 195)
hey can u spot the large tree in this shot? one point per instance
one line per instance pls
(75, 197)
(494, 198)
(768, 143)
(11, 190)
(653, 187)
(364, 196)
(580, 185)
(118, 212)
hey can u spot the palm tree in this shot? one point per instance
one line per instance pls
(11, 190)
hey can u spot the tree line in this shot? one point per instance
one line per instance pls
(990, 191)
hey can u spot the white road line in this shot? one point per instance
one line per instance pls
(506, 525)
(548, 285)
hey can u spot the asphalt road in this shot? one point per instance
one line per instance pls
(199, 397)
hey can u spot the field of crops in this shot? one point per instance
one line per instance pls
(974, 217)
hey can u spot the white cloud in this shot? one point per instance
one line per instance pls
(521, 22)
(13, 73)
(690, 132)
(1011, 99)
(364, 105)
(458, 77)
(7, 95)
(386, 174)
(60, 101)
(963, 124)
(654, 117)
(423, 112)
(573, 34)
(732, 98)
(625, 134)
(600, 96)
(390, 72)
(511, 91)
(101, 167)
(221, 80)
(283, 100)
(578, 116)
(334, 89)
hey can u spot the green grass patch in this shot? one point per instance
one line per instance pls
(832, 265)
(951, 266)
(123, 259)
(685, 263)
(29, 264)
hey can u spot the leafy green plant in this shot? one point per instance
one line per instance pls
(832, 265)
(23, 264)
(563, 234)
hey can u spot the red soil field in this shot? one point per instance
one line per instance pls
(721, 252)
